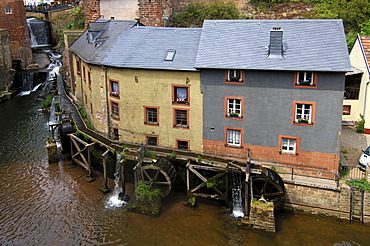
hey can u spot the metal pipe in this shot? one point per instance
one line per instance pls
(107, 98)
(364, 110)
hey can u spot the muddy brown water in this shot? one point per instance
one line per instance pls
(52, 204)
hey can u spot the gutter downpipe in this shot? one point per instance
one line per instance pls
(364, 111)
(107, 98)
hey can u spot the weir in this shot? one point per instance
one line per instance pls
(39, 33)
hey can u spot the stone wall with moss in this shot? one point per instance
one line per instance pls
(331, 202)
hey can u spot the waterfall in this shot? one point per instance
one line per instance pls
(39, 33)
(236, 193)
(114, 200)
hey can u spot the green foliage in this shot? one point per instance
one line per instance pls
(46, 103)
(172, 155)
(262, 4)
(365, 28)
(49, 140)
(359, 183)
(353, 12)
(150, 154)
(122, 155)
(210, 184)
(199, 158)
(351, 38)
(144, 194)
(195, 13)
(343, 171)
(360, 125)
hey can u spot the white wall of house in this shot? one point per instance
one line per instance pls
(120, 10)
(357, 106)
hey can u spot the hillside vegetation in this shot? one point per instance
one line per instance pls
(354, 13)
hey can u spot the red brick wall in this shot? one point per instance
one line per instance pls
(150, 12)
(92, 10)
(310, 160)
(16, 24)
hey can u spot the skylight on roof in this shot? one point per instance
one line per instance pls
(170, 55)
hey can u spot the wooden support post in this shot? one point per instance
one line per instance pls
(187, 178)
(122, 162)
(104, 157)
(246, 190)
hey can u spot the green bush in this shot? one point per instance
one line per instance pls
(359, 183)
(48, 101)
(360, 125)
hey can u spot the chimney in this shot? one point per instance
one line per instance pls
(276, 43)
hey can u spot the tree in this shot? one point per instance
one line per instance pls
(195, 13)
(352, 12)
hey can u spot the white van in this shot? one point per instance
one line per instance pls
(364, 159)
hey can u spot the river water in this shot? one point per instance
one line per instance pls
(52, 204)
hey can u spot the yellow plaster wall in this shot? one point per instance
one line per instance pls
(93, 99)
(153, 88)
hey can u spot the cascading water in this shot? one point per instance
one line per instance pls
(236, 193)
(39, 33)
(114, 200)
(40, 37)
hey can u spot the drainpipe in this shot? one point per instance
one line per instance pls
(364, 111)
(107, 97)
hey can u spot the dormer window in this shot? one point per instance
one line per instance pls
(170, 55)
(303, 79)
(234, 76)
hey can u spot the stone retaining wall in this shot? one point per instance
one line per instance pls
(331, 202)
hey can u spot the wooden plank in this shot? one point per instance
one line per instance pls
(216, 169)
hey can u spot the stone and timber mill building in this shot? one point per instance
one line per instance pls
(275, 91)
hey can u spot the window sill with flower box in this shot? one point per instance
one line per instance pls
(151, 123)
(234, 116)
(114, 94)
(181, 126)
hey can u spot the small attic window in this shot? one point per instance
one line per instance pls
(8, 11)
(170, 55)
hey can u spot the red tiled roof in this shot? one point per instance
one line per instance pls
(365, 40)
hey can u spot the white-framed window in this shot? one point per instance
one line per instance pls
(288, 145)
(303, 113)
(234, 107)
(8, 11)
(234, 75)
(233, 137)
(305, 78)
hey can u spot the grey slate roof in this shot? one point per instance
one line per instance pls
(96, 42)
(147, 47)
(309, 45)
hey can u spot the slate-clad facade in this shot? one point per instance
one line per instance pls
(266, 110)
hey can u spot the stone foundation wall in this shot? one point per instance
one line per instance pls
(6, 71)
(324, 201)
(262, 217)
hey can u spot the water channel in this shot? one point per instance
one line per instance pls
(52, 204)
